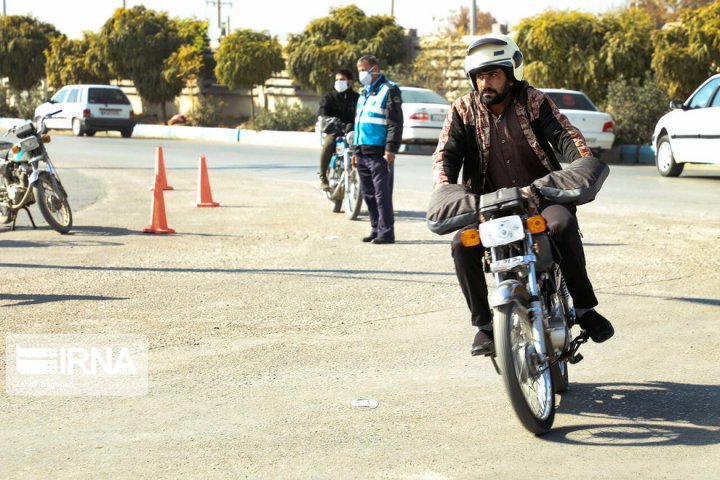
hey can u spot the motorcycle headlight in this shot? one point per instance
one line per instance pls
(29, 144)
(502, 231)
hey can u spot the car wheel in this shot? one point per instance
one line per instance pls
(90, 133)
(77, 127)
(665, 160)
(127, 133)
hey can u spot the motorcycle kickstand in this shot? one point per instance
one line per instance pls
(492, 359)
(32, 221)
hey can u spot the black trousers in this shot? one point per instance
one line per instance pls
(564, 230)
(376, 185)
(328, 148)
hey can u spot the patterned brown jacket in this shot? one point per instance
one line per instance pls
(464, 142)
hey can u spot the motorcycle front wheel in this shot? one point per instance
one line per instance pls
(53, 204)
(527, 381)
(353, 197)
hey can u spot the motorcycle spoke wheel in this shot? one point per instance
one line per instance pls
(527, 380)
(53, 205)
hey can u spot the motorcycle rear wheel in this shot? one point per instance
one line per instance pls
(529, 386)
(353, 198)
(53, 204)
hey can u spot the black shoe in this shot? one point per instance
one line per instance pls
(598, 327)
(483, 344)
(370, 238)
(383, 240)
(323, 185)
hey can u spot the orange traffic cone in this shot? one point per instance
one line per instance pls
(204, 195)
(158, 220)
(160, 169)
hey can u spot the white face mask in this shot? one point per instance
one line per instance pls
(365, 77)
(341, 85)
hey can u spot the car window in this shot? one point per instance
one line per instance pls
(107, 95)
(73, 97)
(60, 96)
(716, 100)
(572, 101)
(701, 98)
(422, 96)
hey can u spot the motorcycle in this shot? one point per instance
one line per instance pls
(23, 180)
(533, 311)
(341, 175)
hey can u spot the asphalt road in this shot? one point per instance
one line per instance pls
(267, 317)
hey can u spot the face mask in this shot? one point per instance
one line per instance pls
(365, 78)
(341, 85)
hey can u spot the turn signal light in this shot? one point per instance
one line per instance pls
(46, 138)
(16, 149)
(536, 224)
(470, 237)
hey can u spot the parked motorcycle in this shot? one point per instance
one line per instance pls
(27, 175)
(341, 175)
(533, 312)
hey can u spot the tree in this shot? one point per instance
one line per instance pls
(337, 41)
(459, 22)
(561, 50)
(627, 45)
(688, 52)
(247, 58)
(664, 11)
(636, 107)
(22, 43)
(76, 61)
(147, 47)
(585, 52)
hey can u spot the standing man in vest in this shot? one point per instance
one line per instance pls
(378, 131)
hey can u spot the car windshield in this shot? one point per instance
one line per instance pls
(572, 101)
(107, 95)
(422, 96)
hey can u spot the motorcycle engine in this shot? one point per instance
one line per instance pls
(16, 193)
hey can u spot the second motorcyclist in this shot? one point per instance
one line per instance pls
(339, 103)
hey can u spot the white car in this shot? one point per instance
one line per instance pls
(691, 132)
(86, 109)
(424, 113)
(597, 127)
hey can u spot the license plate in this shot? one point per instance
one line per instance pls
(437, 117)
(109, 111)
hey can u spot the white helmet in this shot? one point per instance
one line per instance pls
(494, 50)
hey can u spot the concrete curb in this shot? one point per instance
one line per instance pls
(619, 154)
(226, 135)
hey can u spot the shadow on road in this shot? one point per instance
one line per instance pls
(31, 299)
(650, 413)
(365, 275)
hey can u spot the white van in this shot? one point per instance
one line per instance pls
(87, 109)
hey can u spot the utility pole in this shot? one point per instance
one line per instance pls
(392, 8)
(219, 4)
(4, 9)
(473, 19)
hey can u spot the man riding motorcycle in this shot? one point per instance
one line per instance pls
(502, 135)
